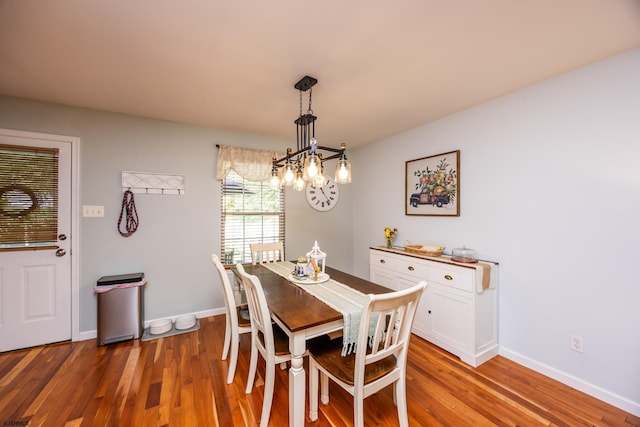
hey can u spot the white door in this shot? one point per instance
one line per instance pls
(35, 284)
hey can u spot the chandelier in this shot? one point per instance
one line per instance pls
(306, 164)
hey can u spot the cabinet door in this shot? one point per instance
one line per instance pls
(383, 277)
(449, 318)
(420, 326)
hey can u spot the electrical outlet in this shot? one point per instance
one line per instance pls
(577, 343)
(93, 211)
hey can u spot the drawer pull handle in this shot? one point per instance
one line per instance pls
(381, 261)
(448, 277)
(411, 268)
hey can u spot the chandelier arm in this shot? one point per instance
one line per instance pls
(303, 150)
(335, 156)
(333, 150)
(289, 156)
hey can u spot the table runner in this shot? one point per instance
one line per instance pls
(342, 298)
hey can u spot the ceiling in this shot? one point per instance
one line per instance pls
(382, 66)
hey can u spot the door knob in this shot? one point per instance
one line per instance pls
(61, 252)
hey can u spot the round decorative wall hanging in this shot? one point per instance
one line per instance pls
(17, 200)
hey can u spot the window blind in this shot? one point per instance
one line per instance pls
(252, 212)
(28, 197)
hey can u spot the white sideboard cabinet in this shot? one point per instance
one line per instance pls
(458, 309)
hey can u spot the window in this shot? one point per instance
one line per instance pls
(28, 197)
(252, 212)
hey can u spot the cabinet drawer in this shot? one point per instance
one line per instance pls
(460, 278)
(401, 266)
(413, 268)
(381, 260)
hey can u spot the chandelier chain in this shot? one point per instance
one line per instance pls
(300, 104)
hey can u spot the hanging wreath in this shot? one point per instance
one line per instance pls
(13, 201)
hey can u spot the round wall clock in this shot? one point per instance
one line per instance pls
(323, 198)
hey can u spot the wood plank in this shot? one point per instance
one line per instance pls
(181, 381)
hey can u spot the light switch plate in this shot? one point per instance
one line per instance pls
(92, 211)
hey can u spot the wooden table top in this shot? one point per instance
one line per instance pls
(297, 309)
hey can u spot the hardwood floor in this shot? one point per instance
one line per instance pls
(180, 381)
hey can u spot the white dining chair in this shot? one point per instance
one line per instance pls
(266, 252)
(371, 368)
(237, 320)
(266, 338)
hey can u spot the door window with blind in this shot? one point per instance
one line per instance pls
(252, 212)
(28, 197)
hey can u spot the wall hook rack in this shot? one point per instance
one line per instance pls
(153, 183)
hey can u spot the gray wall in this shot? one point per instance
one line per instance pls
(550, 188)
(177, 234)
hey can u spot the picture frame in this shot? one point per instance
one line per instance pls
(432, 185)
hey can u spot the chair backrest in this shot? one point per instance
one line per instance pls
(258, 310)
(227, 290)
(266, 252)
(396, 311)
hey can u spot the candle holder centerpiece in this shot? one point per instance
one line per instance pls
(310, 268)
(317, 259)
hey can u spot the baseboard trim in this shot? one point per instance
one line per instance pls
(577, 383)
(87, 335)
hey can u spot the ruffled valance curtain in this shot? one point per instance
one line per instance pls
(253, 165)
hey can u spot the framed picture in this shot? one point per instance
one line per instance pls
(432, 185)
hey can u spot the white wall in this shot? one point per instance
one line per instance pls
(550, 188)
(177, 234)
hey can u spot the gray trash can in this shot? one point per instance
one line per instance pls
(120, 307)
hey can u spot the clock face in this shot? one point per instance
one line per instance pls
(325, 197)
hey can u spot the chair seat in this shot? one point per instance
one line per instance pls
(328, 354)
(280, 340)
(244, 320)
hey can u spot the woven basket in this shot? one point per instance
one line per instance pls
(417, 249)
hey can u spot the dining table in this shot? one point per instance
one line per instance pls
(303, 316)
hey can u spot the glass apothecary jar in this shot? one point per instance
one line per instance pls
(464, 255)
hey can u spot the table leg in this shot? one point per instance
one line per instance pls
(297, 380)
